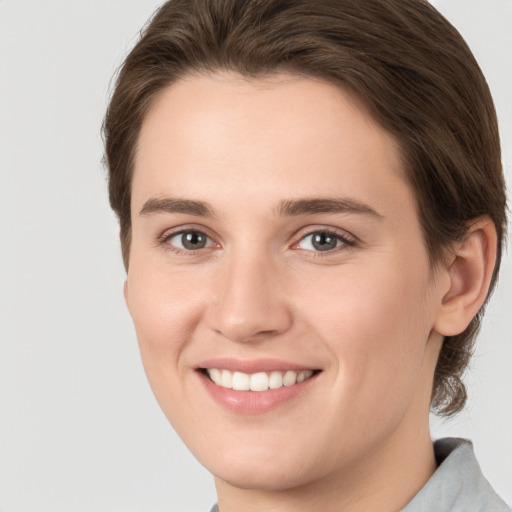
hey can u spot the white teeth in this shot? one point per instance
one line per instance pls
(307, 374)
(216, 376)
(241, 381)
(226, 380)
(275, 380)
(260, 381)
(290, 378)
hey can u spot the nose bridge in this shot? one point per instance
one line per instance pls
(250, 303)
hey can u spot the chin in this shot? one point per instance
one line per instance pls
(272, 466)
(272, 477)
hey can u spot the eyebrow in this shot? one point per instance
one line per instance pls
(288, 207)
(311, 206)
(176, 205)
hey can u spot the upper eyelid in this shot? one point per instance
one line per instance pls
(169, 232)
(310, 230)
(346, 243)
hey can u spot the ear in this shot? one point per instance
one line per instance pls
(469, 269)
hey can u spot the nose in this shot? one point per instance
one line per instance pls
(250, 304)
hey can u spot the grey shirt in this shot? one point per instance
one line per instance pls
(458, 484)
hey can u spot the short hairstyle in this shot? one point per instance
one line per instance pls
(405, 62)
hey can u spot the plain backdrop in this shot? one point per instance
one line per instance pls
(79, 427)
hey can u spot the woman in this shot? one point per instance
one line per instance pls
(312, 212)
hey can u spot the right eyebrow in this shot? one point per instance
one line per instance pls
(176, 205)
(314, 205)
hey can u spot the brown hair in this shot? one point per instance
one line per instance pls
(408, 65)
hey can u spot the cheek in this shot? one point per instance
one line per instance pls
(376, 327)
(165, 310)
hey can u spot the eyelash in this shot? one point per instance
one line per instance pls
(347, 241)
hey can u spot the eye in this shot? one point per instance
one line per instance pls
(190, 240)
(322, 241)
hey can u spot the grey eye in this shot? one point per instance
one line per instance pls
(320, 241)
(189, 240)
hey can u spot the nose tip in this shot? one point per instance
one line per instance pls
(250, 305)
(244, 329)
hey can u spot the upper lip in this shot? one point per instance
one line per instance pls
(253, 365)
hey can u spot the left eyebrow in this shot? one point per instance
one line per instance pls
(311, 206)
(176, 205)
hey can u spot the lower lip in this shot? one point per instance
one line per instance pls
(254, 402)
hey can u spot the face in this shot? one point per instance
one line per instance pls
(278, 279)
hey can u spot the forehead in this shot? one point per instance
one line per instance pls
(275, 137)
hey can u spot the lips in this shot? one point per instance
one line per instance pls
(255, 386)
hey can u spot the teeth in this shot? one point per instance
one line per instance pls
(290, 378)
(241, 381)
(275, 380)
(260, 381)
(226, 379)
(216, 376)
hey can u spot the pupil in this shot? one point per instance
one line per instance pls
(193, 240)
(324, 242)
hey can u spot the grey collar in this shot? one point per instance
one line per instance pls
(458, 485)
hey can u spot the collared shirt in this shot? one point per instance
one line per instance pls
(458, 484)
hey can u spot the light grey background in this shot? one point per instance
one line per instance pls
(79, 427)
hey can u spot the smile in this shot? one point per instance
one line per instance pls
(260, 381)
(255, 386)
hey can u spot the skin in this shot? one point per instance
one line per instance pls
(371, 313)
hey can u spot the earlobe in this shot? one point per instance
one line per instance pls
(469, 271)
